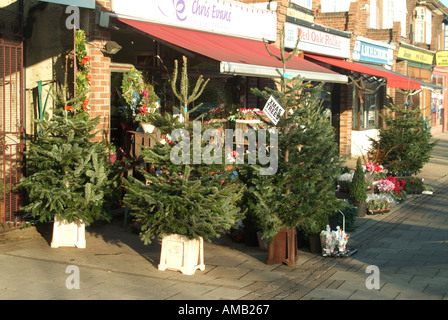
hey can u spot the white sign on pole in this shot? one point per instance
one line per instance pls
(273, 110)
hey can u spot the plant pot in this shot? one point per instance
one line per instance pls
(263, 244)
(362, 208)
(68, 234)
(283, 248)
(182, 254)
(315, 244)
(147, 127)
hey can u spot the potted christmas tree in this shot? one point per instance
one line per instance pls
(308, 166)
(69, 178)
(183, 202)
(358, 189)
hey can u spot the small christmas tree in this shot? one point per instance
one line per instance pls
(186, 198)
(404, 144)
(358, 187)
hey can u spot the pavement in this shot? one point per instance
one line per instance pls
(402, 255)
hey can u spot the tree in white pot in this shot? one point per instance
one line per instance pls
(181, 202)
(68, 176)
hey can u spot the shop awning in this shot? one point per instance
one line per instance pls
(424, 85)
(236, 55)
(394, 80)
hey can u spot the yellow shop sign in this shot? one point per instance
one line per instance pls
(442, 59)
(406, 53)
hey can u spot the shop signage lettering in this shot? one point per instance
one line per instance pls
(217, 16)
(205, 10)
(442, 59)
(368, 52)
(316, 41)
(415, 55)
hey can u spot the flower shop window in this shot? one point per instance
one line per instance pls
(366, 104)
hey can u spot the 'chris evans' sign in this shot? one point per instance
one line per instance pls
(218, 16)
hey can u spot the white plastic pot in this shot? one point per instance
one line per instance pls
(182, 254)
(68, 234)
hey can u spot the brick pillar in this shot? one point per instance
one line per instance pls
(100, 73)
(345, 122)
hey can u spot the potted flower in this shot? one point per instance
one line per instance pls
(385, 186)
(358, 189)
(398, 193)
(144, 117)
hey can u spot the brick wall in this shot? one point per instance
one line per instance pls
(100, 73)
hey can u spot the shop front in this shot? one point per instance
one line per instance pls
(233, 56)
(369, 96)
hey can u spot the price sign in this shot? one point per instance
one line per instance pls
(273, 110)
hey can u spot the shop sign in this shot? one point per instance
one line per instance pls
(273, 110)
(218, 16)
(369, 52)
(90, 4)
(416, 55)
(316, 41)
(442, 59)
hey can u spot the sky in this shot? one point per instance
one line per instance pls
(445, 2)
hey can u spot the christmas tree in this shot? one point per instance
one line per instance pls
(68, 174)
(180, 195)
(304, 184)
(403, 144)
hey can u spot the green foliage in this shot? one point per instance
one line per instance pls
(69, 176)
(404, 145)
(194, 200)
(358, 187)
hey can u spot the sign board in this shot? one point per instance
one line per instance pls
(90, 4)
(370, 52)
(226, 17)
(442, 59)
(316, 41)
(273, 110)
(417, 55)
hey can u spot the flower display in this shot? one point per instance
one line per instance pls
(246, 114)
(386, 186)
(217, 113)
(376, 171)
(379, 202)
(398, 192)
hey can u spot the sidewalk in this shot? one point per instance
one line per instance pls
(409, 246)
